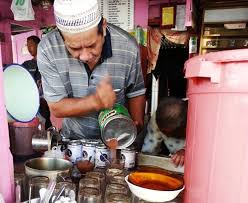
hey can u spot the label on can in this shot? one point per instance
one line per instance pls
(107, 114)
(101, 156)
(89, 152)
(74, 150)
(128, 155)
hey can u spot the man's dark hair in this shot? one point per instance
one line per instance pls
(34, 38)
(99, 27)
(171, 113)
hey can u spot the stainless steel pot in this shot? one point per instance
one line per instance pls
(40, 142)
(49, 167)
(43, 141)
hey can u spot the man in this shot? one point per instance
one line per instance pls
(83, 63)
(31, 66)
(168, 125)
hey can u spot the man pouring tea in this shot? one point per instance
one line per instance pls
(82, 62)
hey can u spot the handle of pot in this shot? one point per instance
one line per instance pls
(206, 69)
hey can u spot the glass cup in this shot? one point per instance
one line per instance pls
(111, 172)
(35, 184)
(89, 182)
(20, 182)
(66, 189)
(100, 176)
(117, 198)
(115, 188)
(119, 179)
(89, 195)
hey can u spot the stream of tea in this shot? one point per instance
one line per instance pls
(113, 145)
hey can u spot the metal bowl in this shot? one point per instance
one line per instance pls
(49, 167)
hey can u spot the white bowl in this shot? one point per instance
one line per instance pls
(152, 195)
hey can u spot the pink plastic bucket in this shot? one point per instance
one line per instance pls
(216, 165)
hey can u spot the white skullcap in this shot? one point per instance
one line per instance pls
(74, 16)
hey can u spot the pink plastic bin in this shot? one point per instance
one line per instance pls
(216, 165)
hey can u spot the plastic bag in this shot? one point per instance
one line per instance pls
(22, 10)
(1, 199)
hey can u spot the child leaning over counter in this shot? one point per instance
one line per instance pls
(168, 125)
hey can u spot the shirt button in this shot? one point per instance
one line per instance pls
(92, 77)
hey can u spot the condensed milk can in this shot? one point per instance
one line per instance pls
(74, 150)
(117, 127)
(101, 156)
(89, 152)
(129, 156)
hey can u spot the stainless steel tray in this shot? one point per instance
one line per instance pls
(158, 161)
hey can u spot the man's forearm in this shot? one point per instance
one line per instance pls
(70, 107)
(136, 107)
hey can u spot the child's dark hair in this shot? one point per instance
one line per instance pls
(171, 113)
(35, 39)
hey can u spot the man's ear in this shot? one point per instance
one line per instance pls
(104, 26)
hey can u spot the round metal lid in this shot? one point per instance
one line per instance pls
(121, 129)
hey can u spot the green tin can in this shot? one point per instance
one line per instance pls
(117, 128)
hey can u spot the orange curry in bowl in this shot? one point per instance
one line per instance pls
(155, 181)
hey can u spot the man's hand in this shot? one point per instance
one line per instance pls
(105, 95)
(178, 157)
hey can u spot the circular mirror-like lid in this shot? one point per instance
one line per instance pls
(122, 130)
(20, 93)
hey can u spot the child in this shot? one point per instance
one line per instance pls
(167, 125)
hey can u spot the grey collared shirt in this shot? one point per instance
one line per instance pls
(63, 76)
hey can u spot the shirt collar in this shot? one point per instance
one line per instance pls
(107, 47)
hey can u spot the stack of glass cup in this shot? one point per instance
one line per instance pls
(106, 185)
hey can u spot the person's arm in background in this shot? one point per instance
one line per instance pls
(178, 157)
(136, 107)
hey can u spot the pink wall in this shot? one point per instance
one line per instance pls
(189, 10)
(154, 7)
(6, 159)
(19, 43)
(1, 61)
(42, 18)
(6, 45)
(141, 13)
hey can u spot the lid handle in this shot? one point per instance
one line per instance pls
(202, 68)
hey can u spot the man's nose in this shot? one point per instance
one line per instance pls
(84, 55)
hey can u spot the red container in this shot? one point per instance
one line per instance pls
(216, 161)
(21, 136)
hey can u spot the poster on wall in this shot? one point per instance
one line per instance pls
(118, 12)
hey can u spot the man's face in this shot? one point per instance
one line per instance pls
(32, 47)
(85, 46)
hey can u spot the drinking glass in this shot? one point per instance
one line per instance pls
(111, 172)
(66, 189)
(117, 198)
(89, 182)
(35, 184)
(89, 195)
(100, 176)
(20, 182)
(115, 188)
(119, 179)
